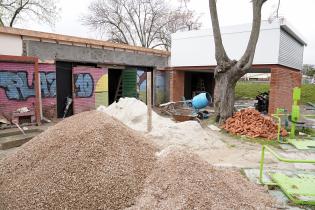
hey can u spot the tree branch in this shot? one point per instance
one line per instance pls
(247, 59)
(220, 53)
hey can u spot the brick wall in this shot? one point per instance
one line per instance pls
(17, 87)
(90, 88)
(282, 82)
(177, 85)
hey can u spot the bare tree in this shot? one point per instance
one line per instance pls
(275, 13)
(11, 11)
(227, 71)
(146, 23)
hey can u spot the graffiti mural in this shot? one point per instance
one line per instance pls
(16, 85)
(84, 85)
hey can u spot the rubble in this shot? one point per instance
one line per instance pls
(253, 124)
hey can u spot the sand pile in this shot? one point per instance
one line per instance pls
(181, 180)
(88, 161)
(251, 123)
(165, 132)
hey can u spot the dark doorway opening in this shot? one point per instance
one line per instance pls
(197, 82)
(64, 88)
(114, 85)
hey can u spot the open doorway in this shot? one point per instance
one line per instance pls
(64, 88)
(114, 85)
(197, 82)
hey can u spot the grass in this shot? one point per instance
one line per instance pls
(249, 90)
(260, 141)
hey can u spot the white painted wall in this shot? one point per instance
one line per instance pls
(11, 45)
(196, 48)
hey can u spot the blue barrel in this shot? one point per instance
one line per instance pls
(201, 100)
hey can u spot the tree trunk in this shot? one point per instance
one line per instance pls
(224, 93)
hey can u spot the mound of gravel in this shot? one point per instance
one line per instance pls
(88, 161)
(181, 180)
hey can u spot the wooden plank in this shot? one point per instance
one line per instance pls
(149, 100)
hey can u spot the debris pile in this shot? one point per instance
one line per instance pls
(88, 161)
(251, 123)
(92, 161)
(181, 180)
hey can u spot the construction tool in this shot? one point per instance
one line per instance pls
(189, 109)
(68, 103)
(299, 188)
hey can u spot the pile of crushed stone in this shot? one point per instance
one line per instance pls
(165, 132)
(92, 161)
(88, 161)
(181, 180)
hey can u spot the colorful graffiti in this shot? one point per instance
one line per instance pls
(142, 85)
(91, 88)
(84, 85)
(16, 85)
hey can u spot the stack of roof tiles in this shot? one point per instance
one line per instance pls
(251, 123)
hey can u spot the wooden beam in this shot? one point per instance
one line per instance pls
(149, 101)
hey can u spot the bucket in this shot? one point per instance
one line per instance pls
(201, 100)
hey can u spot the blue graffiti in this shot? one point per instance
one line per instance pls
(16, 85)
(84, 85)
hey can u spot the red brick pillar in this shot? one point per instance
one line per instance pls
(282, 82)
(177, 83)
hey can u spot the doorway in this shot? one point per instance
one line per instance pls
(114, 85)
(64, 88)
(197, 82)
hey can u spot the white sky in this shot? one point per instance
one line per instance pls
(300, 13)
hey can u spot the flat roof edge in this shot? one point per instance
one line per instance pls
(74, 39)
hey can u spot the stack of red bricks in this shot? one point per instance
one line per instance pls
(250, 123)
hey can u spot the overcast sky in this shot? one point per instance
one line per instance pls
(299, 13)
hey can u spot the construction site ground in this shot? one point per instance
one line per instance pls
(233, 151)
(223, 150)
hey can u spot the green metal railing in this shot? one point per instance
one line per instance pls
(282, 159)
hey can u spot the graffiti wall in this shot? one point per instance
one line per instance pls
(90, 88)
(17, 87)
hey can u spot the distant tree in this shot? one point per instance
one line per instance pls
(309, 70)
(12, 11)
(227, 71)
(146, 23)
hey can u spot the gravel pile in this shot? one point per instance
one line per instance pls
(88, 161)
(92, 161)
(182, 180)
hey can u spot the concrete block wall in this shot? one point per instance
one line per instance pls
(90, 88)
(17, 87)
(282, 82)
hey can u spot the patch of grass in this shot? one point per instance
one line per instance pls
(308, 131)
(249, 90)
(308, 93)
(260, 141)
